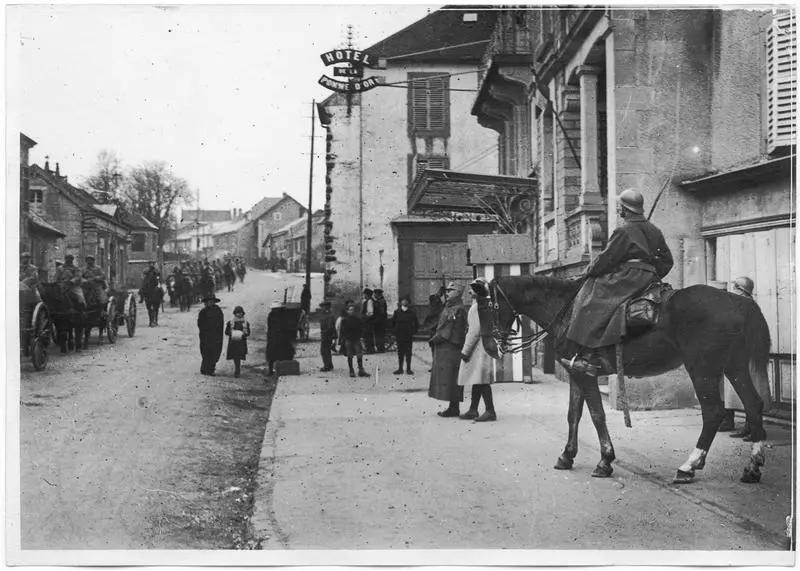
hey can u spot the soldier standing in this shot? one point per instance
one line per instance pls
(69, 276)
(327, 328)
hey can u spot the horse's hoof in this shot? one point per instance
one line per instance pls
(682, 477)
(563, 463)
(602, 472)
(750, 476)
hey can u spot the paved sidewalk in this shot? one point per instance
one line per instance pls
(365, 463)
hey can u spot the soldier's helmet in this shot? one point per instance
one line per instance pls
(632, 200)
(744, 284)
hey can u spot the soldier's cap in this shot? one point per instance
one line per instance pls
(380, 291)
(25, 255)
(367, 291)
(453, 286)
(90, 258)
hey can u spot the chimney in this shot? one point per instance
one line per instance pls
(57, 172)
(46, 165)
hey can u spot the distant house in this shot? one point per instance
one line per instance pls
(41, 239)
(143, 246)
(289, 243)
(266, 216)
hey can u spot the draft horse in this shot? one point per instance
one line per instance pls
(153, 296)
(709, 331)
(68, 320)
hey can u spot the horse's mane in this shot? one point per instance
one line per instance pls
(541, 282)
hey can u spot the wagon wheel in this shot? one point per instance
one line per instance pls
(111, 320)
(38, 353)
(41, 324)
(130, 315)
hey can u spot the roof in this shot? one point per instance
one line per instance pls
(40, 222)
(500, 248)
(754, 173)
(136, 220)
(189, 215)
(444, 27)
(109, 209)
(26, 141)
(226, 227)
(266, 204)
(436, 190)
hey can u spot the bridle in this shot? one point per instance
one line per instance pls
(506, 341)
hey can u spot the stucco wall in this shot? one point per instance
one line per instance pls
(732, 205)
(382, 116)
(662, 121)
(738, 79)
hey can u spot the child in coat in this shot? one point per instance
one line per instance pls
(405, 325)
(237, 330)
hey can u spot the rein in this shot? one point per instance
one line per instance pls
(525, 341)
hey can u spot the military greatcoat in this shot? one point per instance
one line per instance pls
(447, 342)
(636, 256)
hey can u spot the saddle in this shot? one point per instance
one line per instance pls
(644, 310)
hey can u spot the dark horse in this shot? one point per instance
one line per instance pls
(69, 321)
(184, 291)
(153, 297)
(707, 330)
(230, 276)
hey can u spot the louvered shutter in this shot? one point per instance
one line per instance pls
(429, 109)
(781, 81)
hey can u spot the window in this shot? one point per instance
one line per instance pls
(276, 216)
(418, 163)
(781, 63)
(137, 243)
(429, 104)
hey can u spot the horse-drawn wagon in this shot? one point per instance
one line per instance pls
(126, 315)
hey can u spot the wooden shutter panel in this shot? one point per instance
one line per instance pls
(428, 103)
(781, 81)
(419, 104)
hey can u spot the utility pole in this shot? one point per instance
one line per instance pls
(197, 223)
(310, 192)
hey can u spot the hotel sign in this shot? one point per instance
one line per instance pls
(355, 61)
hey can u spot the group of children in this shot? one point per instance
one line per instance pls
(344, 332)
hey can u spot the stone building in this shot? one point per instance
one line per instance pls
(41, 239)
(289, 243)
(90, 228)
(143, 246)
(694, 108)
(379, 141)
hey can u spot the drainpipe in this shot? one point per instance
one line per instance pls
(361, 194)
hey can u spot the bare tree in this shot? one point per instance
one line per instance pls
(108, 176)
(154, 191)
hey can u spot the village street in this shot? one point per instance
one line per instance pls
(127, 446)
(367, 464)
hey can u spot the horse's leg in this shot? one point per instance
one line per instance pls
(753, 406)
(594, 400)
(706, 386)
(574, 413)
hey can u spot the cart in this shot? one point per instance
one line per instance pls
(35, 329)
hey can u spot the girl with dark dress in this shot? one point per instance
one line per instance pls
(237, 330)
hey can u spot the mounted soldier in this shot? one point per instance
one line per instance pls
(69, 277)
(96, 279)
(636, 256)
(151, 277)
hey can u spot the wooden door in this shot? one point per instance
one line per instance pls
(435, 265)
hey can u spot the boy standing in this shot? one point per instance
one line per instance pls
(327, 329)
(351, 333)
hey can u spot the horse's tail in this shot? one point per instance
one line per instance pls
(757, 344)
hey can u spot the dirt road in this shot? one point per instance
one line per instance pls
(129, 447)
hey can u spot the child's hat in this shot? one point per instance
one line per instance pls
(238, 309)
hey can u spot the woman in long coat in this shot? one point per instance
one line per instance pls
(210, 322)
(279, 337)
(447, 342)
(476, 364)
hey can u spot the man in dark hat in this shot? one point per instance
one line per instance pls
(327, 329)
(96, 278)
(379, 318)
(636, 256)
(69, 276)
(211, 324)
(368, 321)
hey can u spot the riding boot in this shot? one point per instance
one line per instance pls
(361, 371)
(350, 366)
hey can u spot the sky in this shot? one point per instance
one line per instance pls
(221, 93)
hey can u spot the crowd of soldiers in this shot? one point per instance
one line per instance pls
(213, 271)
(69, 276)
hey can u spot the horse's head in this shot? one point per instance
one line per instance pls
(497, 317)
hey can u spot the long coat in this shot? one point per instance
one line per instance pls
(447, 342)
(210, 322)
(598, 316)
(478, 370)
(237, 349)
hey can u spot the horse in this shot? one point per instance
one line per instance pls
(230, 277)
(173, 298)
(184, 290)
(95, 311)
(241, 271)
(153, 298)
(707, 330)
(65, 313)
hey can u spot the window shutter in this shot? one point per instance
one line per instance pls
(428, 102)
(781, 81)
